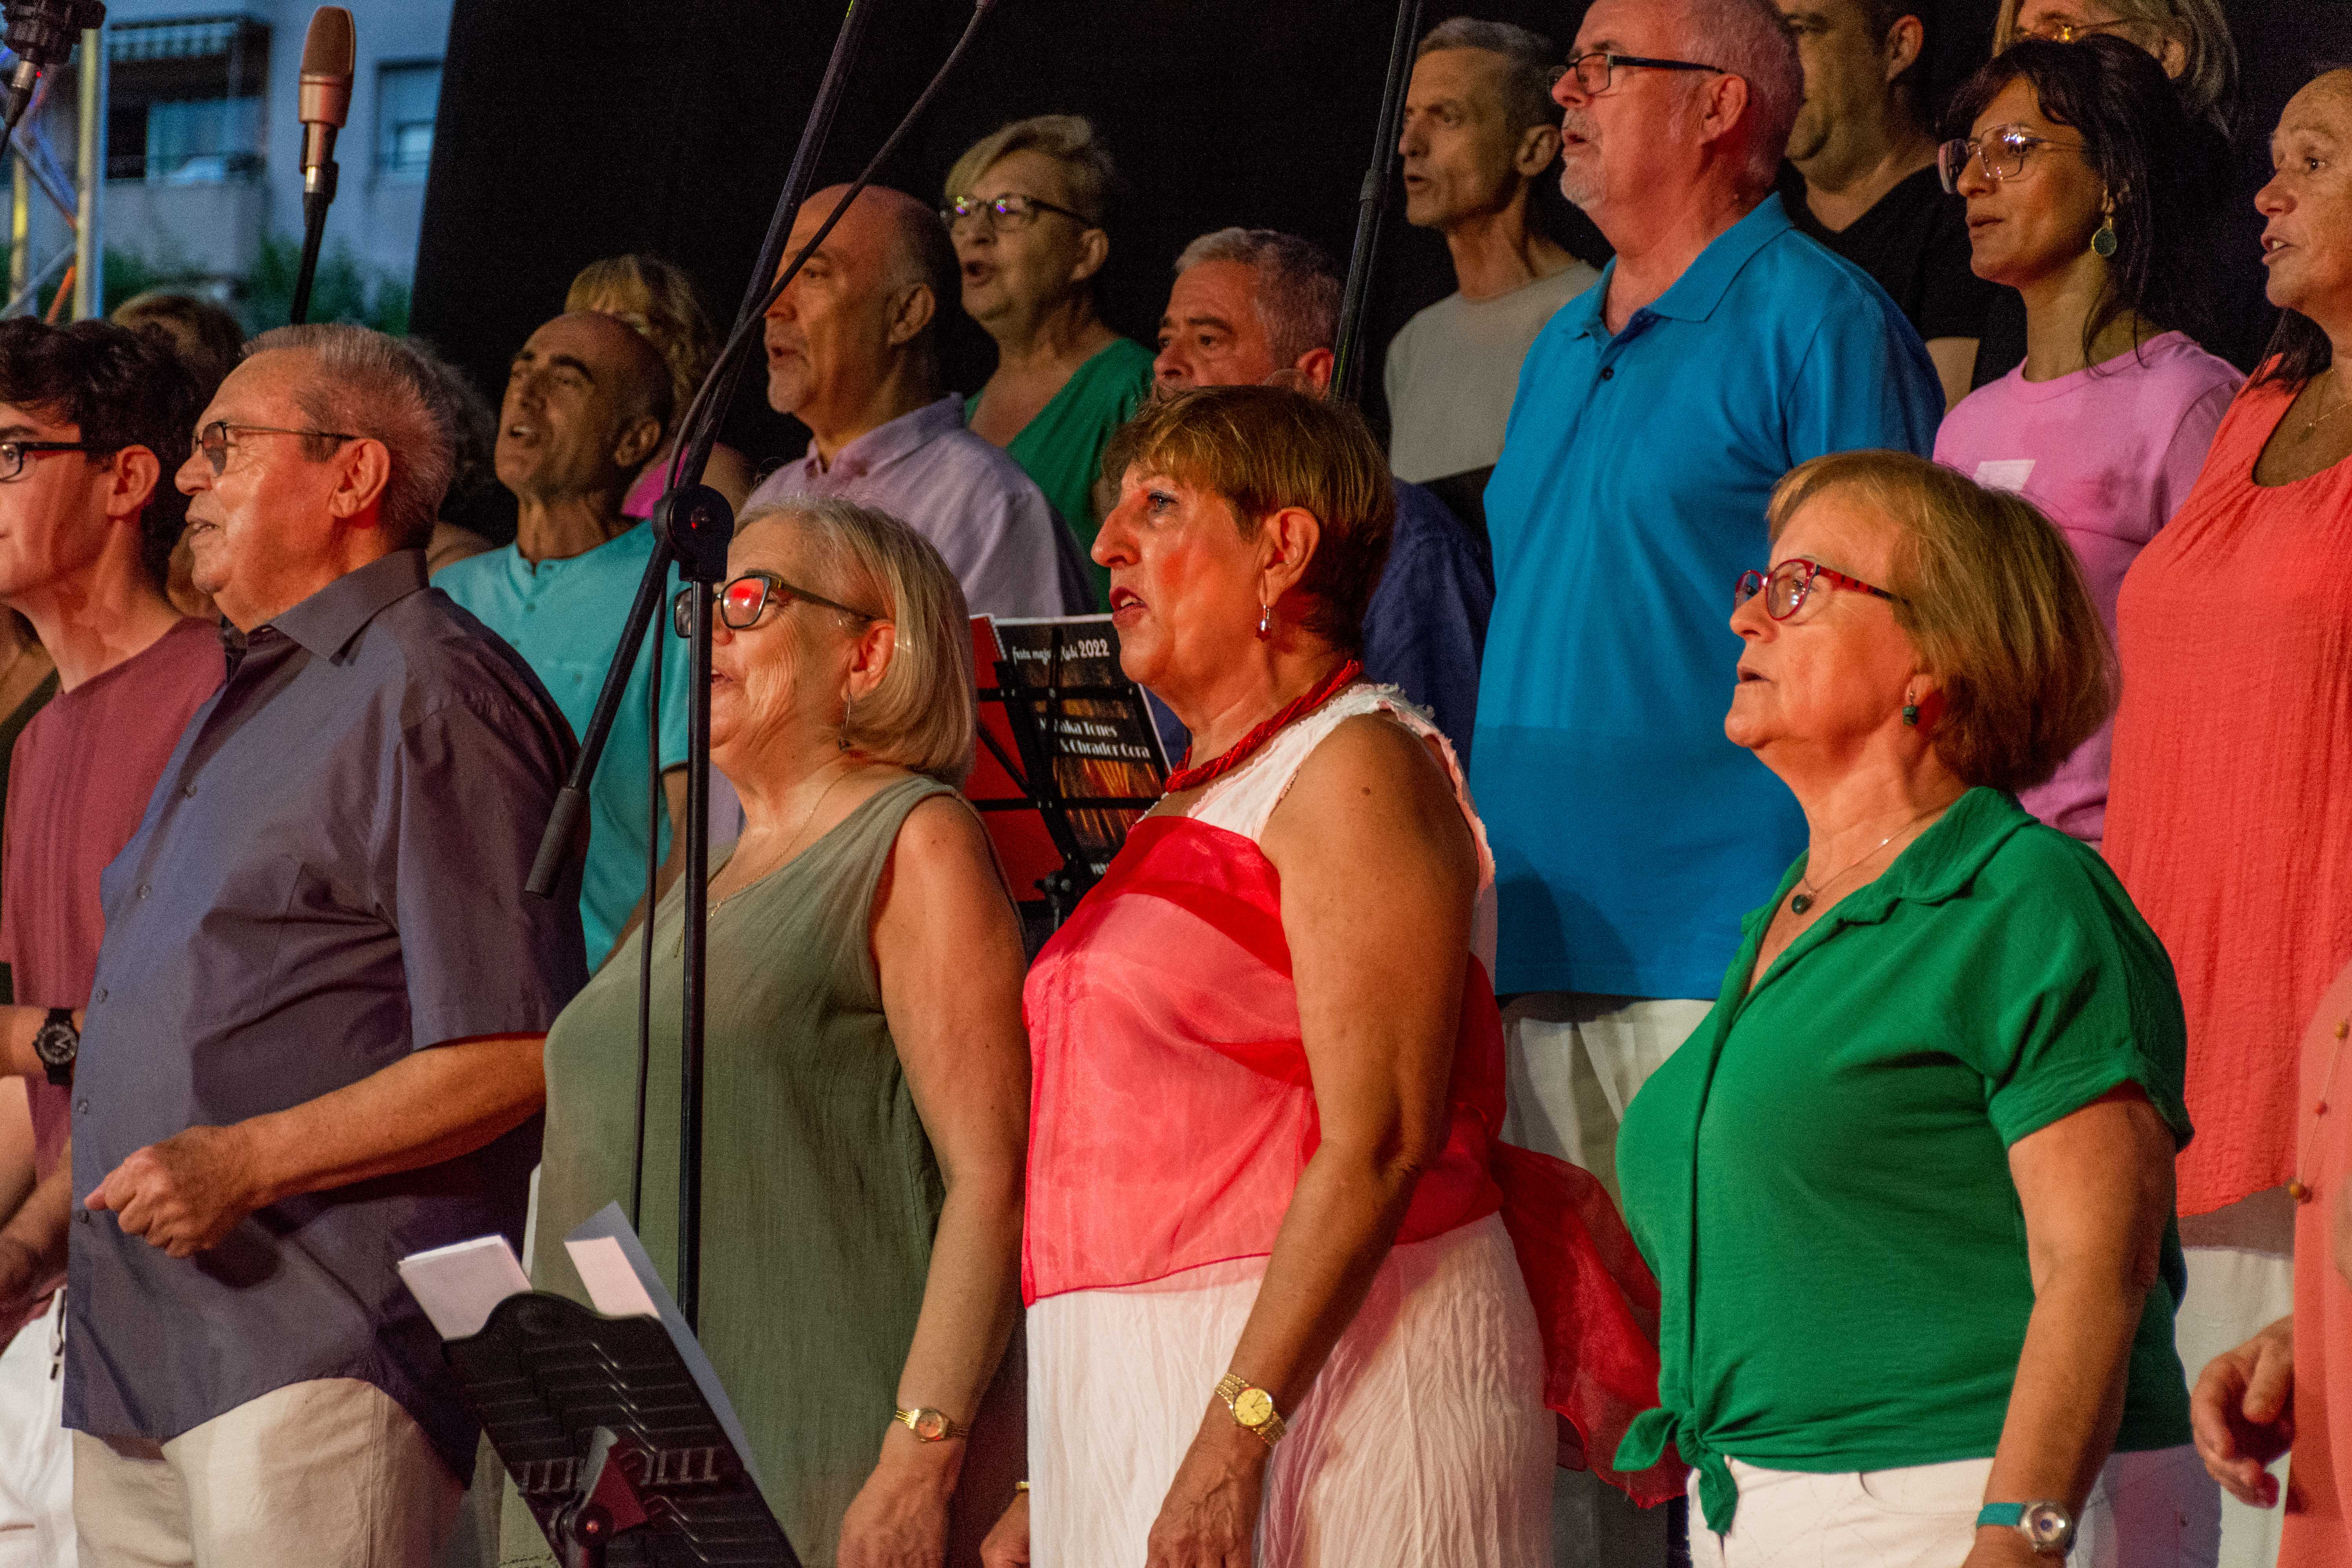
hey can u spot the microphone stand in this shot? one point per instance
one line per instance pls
(1347, 368)
(318, 196)
(693, 525)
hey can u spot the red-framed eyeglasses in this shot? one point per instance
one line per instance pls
(1785, 587)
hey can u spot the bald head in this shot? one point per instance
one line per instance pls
(587, 402)
(850, 337)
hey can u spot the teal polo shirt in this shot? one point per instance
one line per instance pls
(565, 618)
(1820, 1177)
(1629, 835)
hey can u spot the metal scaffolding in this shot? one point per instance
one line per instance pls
(79, 197)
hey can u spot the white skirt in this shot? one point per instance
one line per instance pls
(1425, 1442)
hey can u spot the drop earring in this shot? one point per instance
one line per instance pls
(2103, 242)
(1910, 709)
(1264, 623)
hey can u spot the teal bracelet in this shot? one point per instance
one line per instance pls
(2009, 1515)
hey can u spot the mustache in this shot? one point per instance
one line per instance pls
(1575, 122)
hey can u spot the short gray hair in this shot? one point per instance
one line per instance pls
(370, 385)
(1531, 63)
(1746, 39)
(1299, 285)
(924, 714)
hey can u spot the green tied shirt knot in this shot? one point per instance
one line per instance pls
(1646, 1443)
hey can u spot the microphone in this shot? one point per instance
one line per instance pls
(43, 34)
(328, 50)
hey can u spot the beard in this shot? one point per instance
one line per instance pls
(1580, 179)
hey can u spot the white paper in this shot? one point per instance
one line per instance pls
(458, 1285)
(612, 1281)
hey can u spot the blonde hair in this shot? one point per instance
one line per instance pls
(659, 300)
(2208, 82)
(924, 714)
(1089, 176)
(1993, 598)
(1266, 448)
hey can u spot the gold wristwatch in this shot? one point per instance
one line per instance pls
(1253, 1407)
(929, 1425)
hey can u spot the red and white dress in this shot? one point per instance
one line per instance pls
(1172, 1113)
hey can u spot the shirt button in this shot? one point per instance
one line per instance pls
(82, 1216)
(1608, 372)
(190, 792)
(100, 994)
(81, 1106)
(144, 889)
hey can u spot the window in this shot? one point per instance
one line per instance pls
(406, 96)
(183, 99)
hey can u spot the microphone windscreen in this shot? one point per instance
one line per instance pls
(329, 52)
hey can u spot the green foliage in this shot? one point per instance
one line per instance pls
(342, 290)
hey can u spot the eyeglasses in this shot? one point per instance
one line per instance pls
(1007, 211)
(743, 600)
(2052, 30)
(14, 453)
(213, 443)
(1591, 71)
(1786, 586)
(1999, 153)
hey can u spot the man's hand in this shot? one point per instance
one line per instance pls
(186, 1193)
(2243, 1413)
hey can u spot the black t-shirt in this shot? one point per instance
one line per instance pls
(1915, 241)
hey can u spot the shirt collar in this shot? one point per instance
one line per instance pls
(889, 443)
(1940, 863)
(330, 618)
(1694, 296)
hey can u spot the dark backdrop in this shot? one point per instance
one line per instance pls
(575, 129)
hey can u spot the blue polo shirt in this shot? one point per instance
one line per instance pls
(565, 617)
(1629, 835)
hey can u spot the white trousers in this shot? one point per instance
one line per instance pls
(2154, 1509)
(327, 1472)
(2241, 1280)
(35, 1452)
(1572, 1062)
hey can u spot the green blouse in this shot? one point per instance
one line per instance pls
(1820, 1177)
(1061, 448)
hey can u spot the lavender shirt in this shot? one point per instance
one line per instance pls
(2108, 454)
(995, 528)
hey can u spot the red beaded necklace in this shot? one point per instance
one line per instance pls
(1186, 776)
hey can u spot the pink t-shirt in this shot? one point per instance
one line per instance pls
(77, 789)
(2108, 454)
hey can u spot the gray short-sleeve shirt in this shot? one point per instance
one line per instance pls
(329, 877)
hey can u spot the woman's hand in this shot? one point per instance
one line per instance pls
(2243, 1413)
(1209, 1517)
(1007, 1545)
(899, 1517)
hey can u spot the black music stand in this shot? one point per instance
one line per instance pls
(613, 1447)
(1057, 720)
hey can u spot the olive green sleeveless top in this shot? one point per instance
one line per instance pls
(820, 1192)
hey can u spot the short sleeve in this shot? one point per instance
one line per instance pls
(473, 784)
(1865, 382)
(1427, 622)
(2192, 439)
(2086, 1002)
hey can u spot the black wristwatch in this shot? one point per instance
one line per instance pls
(58, 1043)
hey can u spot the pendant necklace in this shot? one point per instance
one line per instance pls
(2296, 1188)
(1808, 893)
(2318, 419)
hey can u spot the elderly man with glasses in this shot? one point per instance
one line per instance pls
(1654, 414)
(853, 354)
(312, 1042)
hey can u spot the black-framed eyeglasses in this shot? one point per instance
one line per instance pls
(14, 453)
(2000, 153)
(1786, 586)
(213, 443)
(744, 599)
(1011, 210)
(1591, 71)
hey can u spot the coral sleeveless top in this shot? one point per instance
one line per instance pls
(1172, 1110)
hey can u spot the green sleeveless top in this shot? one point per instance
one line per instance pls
(820, 1192)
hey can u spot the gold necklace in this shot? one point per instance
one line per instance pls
(2296, 1188)
(2318, 419)
(1808, 891)
(784, 856)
